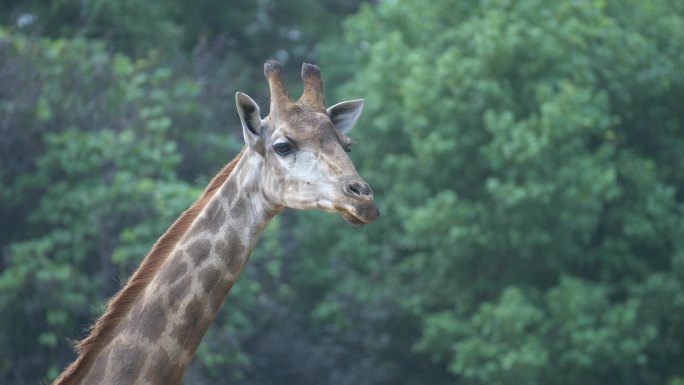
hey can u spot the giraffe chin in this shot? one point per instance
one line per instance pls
(352, 220)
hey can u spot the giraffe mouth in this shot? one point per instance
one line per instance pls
(352, 217)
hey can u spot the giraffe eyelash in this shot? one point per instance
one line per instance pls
(347, 146)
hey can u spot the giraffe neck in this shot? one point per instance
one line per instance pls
(157, 339)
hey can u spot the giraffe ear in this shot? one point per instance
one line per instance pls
(345, 114)
(250, 117)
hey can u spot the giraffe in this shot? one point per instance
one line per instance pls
(294, 157)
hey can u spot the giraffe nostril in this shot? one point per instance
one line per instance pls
(358, 189)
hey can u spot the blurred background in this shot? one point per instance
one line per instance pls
(526, 155)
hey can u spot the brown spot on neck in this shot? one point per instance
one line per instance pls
(152, 320)
(212, 219)
(178, 292)
(174, 272)
(239, 208)
(220, 293)
(164, 371)
(190, 331)
(208, 277)
(230, 252)
(126, 364)
(199, 250)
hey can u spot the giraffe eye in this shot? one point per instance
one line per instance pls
(282, 148)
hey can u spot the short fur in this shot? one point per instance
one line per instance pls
(119, 305)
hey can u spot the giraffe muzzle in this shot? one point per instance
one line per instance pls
(358, 208)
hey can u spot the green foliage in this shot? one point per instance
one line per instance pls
(81, 193)
(255, 29)
(502, 344)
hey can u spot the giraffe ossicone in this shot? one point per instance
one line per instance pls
(294, 157)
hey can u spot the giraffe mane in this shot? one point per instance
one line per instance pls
(119, 305)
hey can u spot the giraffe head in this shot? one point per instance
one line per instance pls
(304, 148)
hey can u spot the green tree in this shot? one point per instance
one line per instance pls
(88, 182)
(525, 156)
